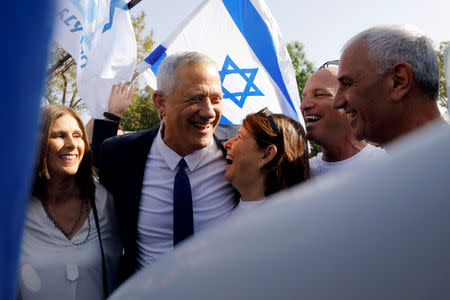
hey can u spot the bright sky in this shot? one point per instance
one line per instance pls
(322, 26)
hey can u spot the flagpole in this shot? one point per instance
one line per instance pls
(133, 3)
(58, 64)
(62, 70)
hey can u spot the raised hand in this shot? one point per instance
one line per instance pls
(120, 98)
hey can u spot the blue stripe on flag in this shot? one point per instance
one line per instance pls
(156, 57)
(258, 36)
(224, 120)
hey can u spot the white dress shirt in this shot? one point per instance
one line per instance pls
(52, 267)
(212, 196)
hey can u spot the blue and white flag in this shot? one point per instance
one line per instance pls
(99, 35)
(245, 41)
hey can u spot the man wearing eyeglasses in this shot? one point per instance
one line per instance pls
(329, 127)
(388, 82)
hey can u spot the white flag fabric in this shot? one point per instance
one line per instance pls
(245, 41)
(99, 35)
(447, 70)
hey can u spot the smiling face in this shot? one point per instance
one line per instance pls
(65, 147)
(321, 119)
(243, 157)
(362, 93)
(192, 111)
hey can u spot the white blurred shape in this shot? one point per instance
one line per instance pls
(30, 278)
(380, 232)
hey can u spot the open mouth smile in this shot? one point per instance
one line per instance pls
(229, 159)
(202, 126)
(312, 118)
(69, 158)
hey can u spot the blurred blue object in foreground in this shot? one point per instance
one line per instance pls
(380, 232)
(25, 39)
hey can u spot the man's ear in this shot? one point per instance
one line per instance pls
(402, 79)
(159, 101)
(268, 155)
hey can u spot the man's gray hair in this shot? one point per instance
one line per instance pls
(389, 44)
(166, 77)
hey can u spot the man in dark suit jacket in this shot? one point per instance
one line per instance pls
(138, 169)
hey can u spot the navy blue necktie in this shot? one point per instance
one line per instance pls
(183, 219)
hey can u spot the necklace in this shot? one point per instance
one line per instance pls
(84, 207)
(87, 236)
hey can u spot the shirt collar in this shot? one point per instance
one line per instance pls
(172, 159)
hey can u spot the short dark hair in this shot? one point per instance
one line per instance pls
(290, 165)
(84, 176)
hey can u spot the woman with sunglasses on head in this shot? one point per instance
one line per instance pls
(269, 153)
(70, 249)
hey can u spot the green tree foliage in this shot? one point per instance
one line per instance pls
(443, 100)
(141, 114)
(303, 69)
(144, 40)
(314, 149)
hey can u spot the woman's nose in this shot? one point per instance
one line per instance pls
(228, 143)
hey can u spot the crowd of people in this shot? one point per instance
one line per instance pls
(158, 187)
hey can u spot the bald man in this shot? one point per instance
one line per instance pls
(330, 128)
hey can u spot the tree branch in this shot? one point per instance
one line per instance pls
(67, 66)
(77, 102)
(72, 99)
(63, 101)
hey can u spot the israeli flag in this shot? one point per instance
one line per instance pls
(245, 41)
(99, 35)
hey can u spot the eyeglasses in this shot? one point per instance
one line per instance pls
(328, 63)
(268, 114)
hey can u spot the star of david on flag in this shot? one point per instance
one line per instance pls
(242, 37)
(248, 75)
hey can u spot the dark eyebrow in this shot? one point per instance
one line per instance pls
(56, 132)
(203, 94)
(197, 93)
(325, 90)
(343, 77)
(62, 131)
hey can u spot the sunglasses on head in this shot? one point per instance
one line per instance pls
(268, 114)
(329, 63)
